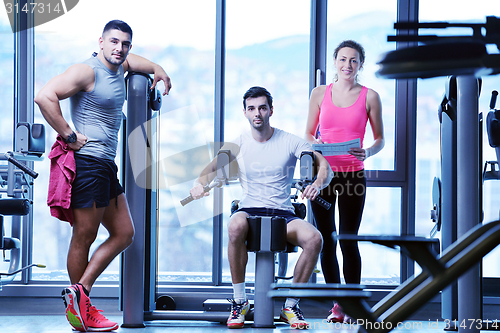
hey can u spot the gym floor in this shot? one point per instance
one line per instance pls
(44, 315)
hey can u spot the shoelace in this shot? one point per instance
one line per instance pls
(297, 312)
(236, 308)
(95, 314)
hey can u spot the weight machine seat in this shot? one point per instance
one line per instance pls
(300, 211)
(436, 59)
(402, 302)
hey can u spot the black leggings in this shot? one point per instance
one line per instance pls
(350, 188)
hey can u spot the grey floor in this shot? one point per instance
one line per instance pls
(58, 324)
(42, 315)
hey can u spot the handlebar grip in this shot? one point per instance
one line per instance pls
(319, 200)
(493, 100)
(323, 203)
(187, 200)
(21, 166)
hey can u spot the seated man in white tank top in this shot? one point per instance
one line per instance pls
(266, 158)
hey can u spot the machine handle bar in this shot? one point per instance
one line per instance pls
(301, 186)
(215, 183)
(21, 166)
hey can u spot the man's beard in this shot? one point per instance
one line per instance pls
(113, 61)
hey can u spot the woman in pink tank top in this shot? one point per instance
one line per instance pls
(338, 112)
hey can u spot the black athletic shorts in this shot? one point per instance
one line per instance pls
(96, 181)
(289, 216)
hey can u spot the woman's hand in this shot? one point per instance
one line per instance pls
(360, 153)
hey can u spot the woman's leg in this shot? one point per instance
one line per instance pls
(351, 205)
(325, 223)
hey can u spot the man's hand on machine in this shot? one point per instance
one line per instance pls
(198, 192)
(310, 192)
(308, 188)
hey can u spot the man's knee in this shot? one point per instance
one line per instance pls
(316, 241)
(313, 242)
(238, 227)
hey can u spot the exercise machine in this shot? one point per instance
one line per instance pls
(16, 180)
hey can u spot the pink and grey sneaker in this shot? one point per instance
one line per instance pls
(77, 305)
(96, 322)
(336, 315)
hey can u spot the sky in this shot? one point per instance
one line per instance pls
(192, 23)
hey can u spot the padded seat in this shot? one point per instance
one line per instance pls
(300, 211)
(433, 59)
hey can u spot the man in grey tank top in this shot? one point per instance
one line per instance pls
(96, 89)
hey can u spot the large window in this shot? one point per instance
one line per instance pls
(181, 40)
(6, 83)
(186, 131)
(369, 25)
(266, 46)
(6, 99)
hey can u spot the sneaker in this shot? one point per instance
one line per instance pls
(238, 311)
(96, 322)
(77, 304)
(336, 314)
(294, 317)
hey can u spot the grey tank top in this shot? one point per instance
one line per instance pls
(97, 114)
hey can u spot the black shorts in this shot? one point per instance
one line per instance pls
(289, 216)
(96, 181)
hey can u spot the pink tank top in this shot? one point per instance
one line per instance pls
(338, 124)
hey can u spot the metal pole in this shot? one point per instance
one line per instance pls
(264, 277)
(133, 258)
(449, 203)
(468, 206)
(220, 60)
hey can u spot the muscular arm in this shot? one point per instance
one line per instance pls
(139, 64)
(76, 78)
(210, 172)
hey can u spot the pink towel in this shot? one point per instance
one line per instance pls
(62, 174)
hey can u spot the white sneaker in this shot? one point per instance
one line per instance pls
(238, 311)
(294, 317)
